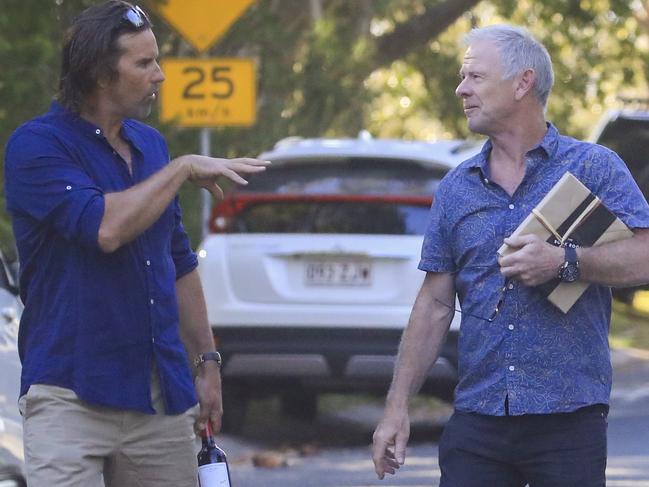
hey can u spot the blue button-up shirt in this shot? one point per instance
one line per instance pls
(95, 322)
(542, 360)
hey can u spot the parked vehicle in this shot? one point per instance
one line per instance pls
(310, 271)
(626, 131)
(11, 439)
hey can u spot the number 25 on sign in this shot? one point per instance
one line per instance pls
(208, 92)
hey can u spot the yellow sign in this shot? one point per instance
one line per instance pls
(201, 22)
(208, 92)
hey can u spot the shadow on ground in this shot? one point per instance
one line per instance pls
(341, 422)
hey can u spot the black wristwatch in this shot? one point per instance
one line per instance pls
(204, 357)
(569, 270)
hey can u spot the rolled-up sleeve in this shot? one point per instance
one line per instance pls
(184, 258)
(45, 183)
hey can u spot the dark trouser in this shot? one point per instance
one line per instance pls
(544, 450)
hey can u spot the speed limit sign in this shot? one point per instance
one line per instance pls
(208, 92)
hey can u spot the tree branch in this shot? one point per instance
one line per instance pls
(419, 30)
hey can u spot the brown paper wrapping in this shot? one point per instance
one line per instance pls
(570, 207)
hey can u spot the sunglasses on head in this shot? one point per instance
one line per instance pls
(135, 16)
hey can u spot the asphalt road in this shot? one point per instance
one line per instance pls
(334, 450)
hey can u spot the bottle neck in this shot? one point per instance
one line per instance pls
(207, 436)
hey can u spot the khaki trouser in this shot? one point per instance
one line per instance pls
(70, 443)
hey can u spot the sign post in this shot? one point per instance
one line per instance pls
(206, 197)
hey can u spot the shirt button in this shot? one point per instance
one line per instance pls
(486, 181)
(152, 339)
(511, 206)
(98, 132)
(510, 286)
(152, 301)
(512, 368)
(68, 188)
(511, 327)
(148, 262)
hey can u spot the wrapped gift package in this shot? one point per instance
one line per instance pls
(570, 215)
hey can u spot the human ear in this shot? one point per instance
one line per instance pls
(525, 83)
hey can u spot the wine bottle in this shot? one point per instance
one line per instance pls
(213, 468)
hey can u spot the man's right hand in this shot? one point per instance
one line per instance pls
(389, 442)
(204, 171)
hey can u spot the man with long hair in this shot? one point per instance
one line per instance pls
(114, 340)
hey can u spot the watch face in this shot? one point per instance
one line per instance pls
(570, 272)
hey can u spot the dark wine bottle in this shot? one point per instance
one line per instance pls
(213, 468)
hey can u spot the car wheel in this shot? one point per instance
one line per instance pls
(10, 476)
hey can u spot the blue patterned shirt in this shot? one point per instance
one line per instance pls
(95, 322)
(542, 360)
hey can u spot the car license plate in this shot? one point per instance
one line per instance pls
(338, 273)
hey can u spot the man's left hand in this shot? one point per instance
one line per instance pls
(208, 388)
(533, 261)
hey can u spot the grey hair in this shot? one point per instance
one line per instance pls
(519, 51)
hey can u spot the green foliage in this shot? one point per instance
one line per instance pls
(324, 73)
(28, 58)
(630, 323)
(593, 45)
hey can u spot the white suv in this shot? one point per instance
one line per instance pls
(310, 271)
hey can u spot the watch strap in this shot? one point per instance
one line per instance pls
(571, 254)
(204, 357)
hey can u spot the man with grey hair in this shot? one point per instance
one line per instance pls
(532, 399)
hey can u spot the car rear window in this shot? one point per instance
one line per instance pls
(349, 217)
(348, 176)
(349, 196)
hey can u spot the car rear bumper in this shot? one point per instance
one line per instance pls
(332, 359)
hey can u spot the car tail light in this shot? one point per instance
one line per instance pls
(224, 214)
